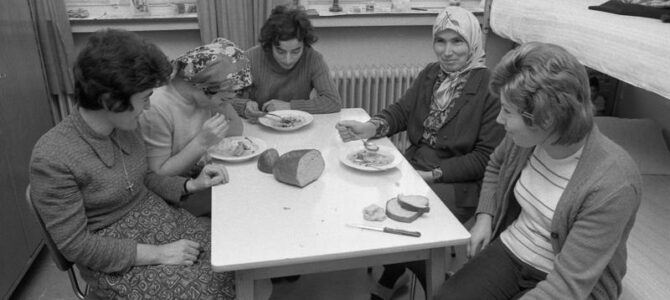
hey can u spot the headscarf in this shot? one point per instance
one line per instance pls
(222, 54)
(466, 25)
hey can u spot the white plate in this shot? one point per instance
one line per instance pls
(224, 150)
(303, 118)
(348, 157)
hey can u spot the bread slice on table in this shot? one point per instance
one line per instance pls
(395, 212)
(416, 203)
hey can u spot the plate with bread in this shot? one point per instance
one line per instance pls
(286, 120)
(238, 148)
(359, 158)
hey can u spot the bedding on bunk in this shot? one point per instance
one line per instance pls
(635, 50)
(633, 9)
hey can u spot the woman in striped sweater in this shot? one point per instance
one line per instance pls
(558, 199)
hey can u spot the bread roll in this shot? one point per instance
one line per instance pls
(267, 160)
(299, 167)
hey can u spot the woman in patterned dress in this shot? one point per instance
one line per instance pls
(106, 211)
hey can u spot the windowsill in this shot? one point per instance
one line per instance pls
(137, 23)
(351, 16)
(356, 16)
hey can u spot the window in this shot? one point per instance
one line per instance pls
(128, 9)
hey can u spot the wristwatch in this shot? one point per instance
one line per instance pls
(437, 173)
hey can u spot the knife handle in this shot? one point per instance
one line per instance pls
(402, 232)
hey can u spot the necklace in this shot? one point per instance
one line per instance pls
(130, 186)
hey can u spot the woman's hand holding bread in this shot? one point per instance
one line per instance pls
(213, 131)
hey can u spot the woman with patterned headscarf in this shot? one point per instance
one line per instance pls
(450, 119)
(191, 113)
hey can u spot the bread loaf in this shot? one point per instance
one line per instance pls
(414, 203)
(396, 212)
(299, 167)
(267, 160)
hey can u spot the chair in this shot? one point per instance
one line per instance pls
(62, 263)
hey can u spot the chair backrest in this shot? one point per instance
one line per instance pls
(58, 258)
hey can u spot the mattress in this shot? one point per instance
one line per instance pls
(635, 50)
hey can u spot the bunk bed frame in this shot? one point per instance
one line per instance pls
(635, 50)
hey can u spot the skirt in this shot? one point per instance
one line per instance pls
(155, 222)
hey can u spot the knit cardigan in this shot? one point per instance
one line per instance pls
(271, 81)
(79, 185)
(591, 222)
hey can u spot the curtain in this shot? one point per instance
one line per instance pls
(237, 20)
(56, 47)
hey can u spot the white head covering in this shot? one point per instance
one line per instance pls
(463, 22)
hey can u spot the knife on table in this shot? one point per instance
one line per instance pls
(387, 230)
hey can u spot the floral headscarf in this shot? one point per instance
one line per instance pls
(221, 53)
(466, 25)
(450, 84)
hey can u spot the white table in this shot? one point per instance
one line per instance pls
(262, 228)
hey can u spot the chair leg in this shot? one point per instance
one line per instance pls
(412, 285)
(75, 284)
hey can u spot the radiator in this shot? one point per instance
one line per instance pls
(373, 88)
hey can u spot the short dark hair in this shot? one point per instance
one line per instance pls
(549, 85)
(285, 24)
(114, 65)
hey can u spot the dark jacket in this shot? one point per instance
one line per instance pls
(464, 142)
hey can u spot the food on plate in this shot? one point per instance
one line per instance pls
(299, 167)
(414, 203)
(236, 147)
(288, 122)
(374, 212)
(396, 212)
(368, 158)
(267, 160)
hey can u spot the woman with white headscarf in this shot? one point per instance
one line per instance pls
(450, 119)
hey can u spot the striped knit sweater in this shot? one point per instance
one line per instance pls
(271, 81)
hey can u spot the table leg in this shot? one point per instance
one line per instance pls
(244, 288)
(435, 271)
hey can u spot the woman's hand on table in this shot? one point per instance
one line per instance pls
(351, 130)
(181, 252)
(212, 131)
(275, 104)
(480, 234)
(211, 175)
(252, 112)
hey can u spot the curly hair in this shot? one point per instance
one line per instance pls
(114, 65)
(549, 86)
(285, 24)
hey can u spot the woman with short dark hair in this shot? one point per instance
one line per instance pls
(559, 198)
(105, 210)
(286, 69)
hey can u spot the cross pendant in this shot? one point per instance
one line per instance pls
(130, 187)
